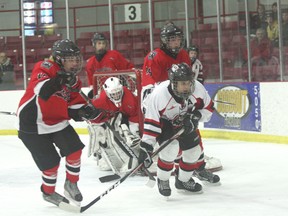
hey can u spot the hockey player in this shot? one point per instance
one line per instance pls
(212, 163)
(197, 68)
(51, 99)
(156, 65)
(157, 62)
(115, 99)
(104, 59)
(178, 102)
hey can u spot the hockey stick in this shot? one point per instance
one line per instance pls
(132, 154)
(224, 102)
(7, 113)
(78, 209)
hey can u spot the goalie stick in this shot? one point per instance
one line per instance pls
(78, 209)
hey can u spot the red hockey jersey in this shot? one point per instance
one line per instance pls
(129, 106)
(36, 115)
(111, 61)
(157, 63)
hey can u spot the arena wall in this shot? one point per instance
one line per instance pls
(273, 108)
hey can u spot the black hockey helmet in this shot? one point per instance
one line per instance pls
(64, 49)
(168, 31)
(98, 36)
(193, 48)
(181, 72)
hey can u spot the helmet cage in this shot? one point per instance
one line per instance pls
(114, 90)
(66, 51)
(181, 72)
(169, 33)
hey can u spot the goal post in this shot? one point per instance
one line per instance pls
(129, 78)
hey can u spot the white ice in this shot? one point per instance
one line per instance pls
(254, 183)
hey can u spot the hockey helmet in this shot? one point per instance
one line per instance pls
(195, 49)
(168, 32)
(66, 50)
(114, 90)
(98, 36)
(181, 72)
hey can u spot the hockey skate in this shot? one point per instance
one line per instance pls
(54, 198)
(212, 164)
(164, 187)
(207, 176)
(191, 185)
(72, 191)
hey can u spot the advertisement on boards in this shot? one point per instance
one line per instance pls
(237, 106)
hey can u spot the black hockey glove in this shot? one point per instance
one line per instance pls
(191, 121)
(88, 112)
(90, 94)
(144, 154)
(66, 78)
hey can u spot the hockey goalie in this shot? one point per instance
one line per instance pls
(115, 132)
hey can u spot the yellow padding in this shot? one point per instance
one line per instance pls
(242, 136)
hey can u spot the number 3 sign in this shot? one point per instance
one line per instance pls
(132, 13)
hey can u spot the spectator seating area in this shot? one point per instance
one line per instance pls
(234, 46)
(135, 45)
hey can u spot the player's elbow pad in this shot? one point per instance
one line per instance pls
(49, 88)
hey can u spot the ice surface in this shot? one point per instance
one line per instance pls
(254, 183)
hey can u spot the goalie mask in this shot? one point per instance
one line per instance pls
(172, 38)
(182, 80)
(114, 90)
(67, 55)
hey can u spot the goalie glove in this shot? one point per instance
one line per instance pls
(145, 154)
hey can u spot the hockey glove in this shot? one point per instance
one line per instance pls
(67, 78)
(89, 112)
(190, 122)
(144, 154)
(90, 94)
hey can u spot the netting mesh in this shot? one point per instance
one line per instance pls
(130, 79)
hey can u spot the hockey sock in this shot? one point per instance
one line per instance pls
(49, 178)
(73, 163)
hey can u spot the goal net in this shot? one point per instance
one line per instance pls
(129, 78)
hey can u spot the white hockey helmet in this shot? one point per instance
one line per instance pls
(114, 90)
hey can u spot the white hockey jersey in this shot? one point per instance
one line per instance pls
(162, 105)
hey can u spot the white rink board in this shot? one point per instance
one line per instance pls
(273, 95)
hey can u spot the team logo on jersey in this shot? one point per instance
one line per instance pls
(40, 76)
(152, 55)
(148, 71)
(46, 64)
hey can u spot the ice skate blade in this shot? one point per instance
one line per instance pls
(67, 195)
(189, 192)
(206, 183)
